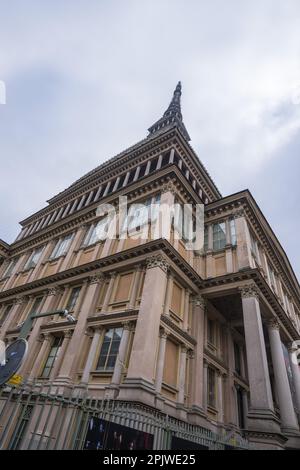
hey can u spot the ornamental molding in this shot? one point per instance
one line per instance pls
(96, 279)
(169, 187)
(19, 300)
(128, 326)
(200, 301)
(249, 291)
(157, 261)
(273, 324)
(293, 347)
(55, 290)
(239, 213)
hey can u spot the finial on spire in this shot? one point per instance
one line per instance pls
(172, 116)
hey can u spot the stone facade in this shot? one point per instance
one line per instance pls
(197, 336)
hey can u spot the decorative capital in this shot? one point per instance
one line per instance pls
(163, 333)
(19, 300)
(157, 261)
(128, 325)
(68, 334)
(239, 213)
(249, 290)
(168, 188)
(96, 278)
(191, 354)
(200, 301)
(273, 324)
(55, 290)
(294, 347)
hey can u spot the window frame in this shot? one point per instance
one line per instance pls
(107, 355)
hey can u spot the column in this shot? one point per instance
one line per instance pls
(108, 293)
(220, 397)
(182, 375)
(245, 407)
(75, 345)
(287, 412)
(74, 246)
(259, 379)
(59, 359)
(228, 249)
(230, 397)
(168, 296)
(120, 362)
(49, 303)
(205, 375)
(141, 370)
(44, 345)
(91, 357)
(294, 361)
(244, 256)
(160, 360)
(261, 414)
(186, 310)
(13, 315)
(197, 389)
(134, 289)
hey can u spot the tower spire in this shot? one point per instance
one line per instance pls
(172, 116)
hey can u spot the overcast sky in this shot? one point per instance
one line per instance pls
(85, 79)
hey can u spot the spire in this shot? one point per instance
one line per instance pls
(172, 116)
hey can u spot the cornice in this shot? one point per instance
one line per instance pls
(160, 246)
(125, 160)
(243, 203)
(184, 334)
(254, 275)
(153, 182)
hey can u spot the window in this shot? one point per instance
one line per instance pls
(73, 298)
(219, 236)
(52, 357)
(237, 358)
(139, 214)
(211, 387)
(36, 305)
(21, 427)
(211, 331)
(10, 267)
(97, 232)
(233, 232)
(109, 349)
(62, 246)
(5, 314)
(33, 258)
(240, 407)
(254, 246)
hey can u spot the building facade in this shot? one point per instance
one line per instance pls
(204, 339)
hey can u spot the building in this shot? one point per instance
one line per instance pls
(198, 345)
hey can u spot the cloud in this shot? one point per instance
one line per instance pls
(84, 80)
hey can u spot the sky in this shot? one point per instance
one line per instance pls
(85, 80)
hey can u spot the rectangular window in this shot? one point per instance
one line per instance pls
(21, 427)
(36, 305)
(33, 258)
(5, 314)
(73, 299)
(211, 387)
(96, 232)
(253, 246)
(10, 267)
(109, 349)
(211, 331)
(237, 358)
(52, 357)
(141, 213)
(62, 246)
(219, 236)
